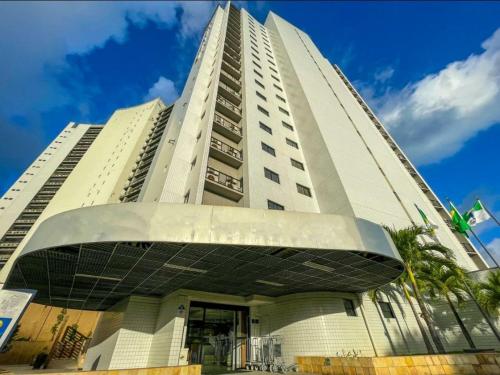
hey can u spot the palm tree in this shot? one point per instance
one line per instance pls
(447, 281)
(415, 254)
(373, 295)
(401, 282)
(488, 293)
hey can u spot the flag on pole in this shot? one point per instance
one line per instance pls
(458, 221)
(477, 214)
(428, 223)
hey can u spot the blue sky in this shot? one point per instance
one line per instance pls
(430, 70)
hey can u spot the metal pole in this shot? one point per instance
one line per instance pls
(484, 247)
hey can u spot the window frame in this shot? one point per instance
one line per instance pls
(268, 149)
(349, 307)
(272, 175)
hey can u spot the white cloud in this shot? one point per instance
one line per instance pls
(164, 89)
(36, 37)
(384, 74)
(434, 117)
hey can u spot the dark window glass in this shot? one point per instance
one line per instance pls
(261, 96)
(265, 128)
(260, 84)
(273, 176)
(387, 310)
(292, 143)
(281, 98)
(282, 110)
(297, 164)
(276, 78)
(287, 125)
(264, 111)
(256, 72)
(303, 190)
(274, 206)
(276, 86)
(349, 307)
(257, 65)
(257, 57)
(269, 150)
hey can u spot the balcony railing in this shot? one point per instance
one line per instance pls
(229, 93)
(231, 70)
(225, 153)
(233, 44)
(231, 60)
(232, 52)
(227, 128)
(228, 79)
(224, 185)
(228, 109)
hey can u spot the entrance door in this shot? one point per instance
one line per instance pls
(216, 336)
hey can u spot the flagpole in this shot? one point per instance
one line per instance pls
(489, 213)
(484, 247)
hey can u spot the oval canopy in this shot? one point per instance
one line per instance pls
(90, 258)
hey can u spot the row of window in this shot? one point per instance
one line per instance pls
(273, 176)
(386, 308)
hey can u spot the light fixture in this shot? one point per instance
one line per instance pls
(269, 283)
(97, 277)
(317, 266)
(67, 299)
(184, 268)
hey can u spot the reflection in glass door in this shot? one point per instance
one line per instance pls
(216, 336)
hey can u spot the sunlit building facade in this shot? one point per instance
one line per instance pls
(252, 207)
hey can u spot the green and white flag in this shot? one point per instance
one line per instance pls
(477, 214)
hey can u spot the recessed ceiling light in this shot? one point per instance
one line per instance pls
(269, 283)
(67, 299)
(184, 268)
(98, 277)
(317, 266)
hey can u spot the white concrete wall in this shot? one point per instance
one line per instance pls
(168, 336)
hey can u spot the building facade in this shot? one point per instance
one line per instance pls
(250, 208)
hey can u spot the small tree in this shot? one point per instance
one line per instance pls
(488, 293)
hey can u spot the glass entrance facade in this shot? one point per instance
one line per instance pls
(217, 336)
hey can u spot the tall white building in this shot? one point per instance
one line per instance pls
(251, 207)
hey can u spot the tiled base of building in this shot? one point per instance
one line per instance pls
(467, 364)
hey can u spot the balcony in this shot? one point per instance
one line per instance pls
(228, 109)
(229, 80)
(229, 93)
(8, 245)
(233, 31)
(231, 60)
(225, 153)
(223, 184)
(235, 73)
(232, 52)
(234, 38)
(227, 128)
(233, 44)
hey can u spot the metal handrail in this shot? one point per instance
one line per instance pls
(224, 179)
(224, 147)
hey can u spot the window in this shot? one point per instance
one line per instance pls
(269, 150)
(268, 55)
(387, 310)
(270, 62)
(186, 197)
(274, 77)
(304, 190)
(254, 44)
(193, 163)
(277, 87)
(257, 57)
(273, 176)
(265, 128)
(267, 49)
(260, 84)
(350, 310)
(257, 65)
(198, 136)
(287, 125)
(261, 96)
(282, 110)
(274, 206)
(274, 70)
(253, 49)
(264, 111)
(281, 98)
(297, 164)
(256, 72)
(292, 143)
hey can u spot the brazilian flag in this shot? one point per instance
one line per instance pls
(458, 221)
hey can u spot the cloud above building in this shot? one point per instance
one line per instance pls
(433, 118)
(37, 36)
(164, 89)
